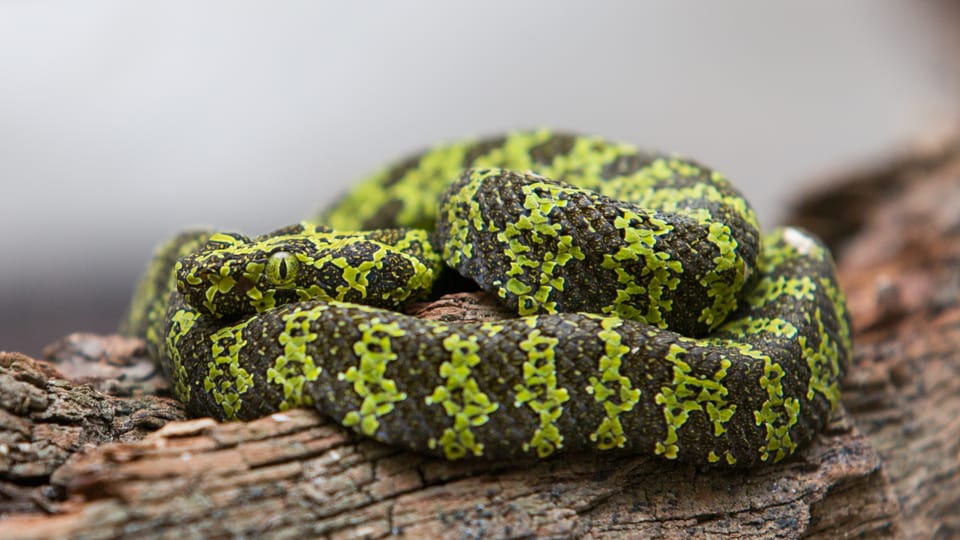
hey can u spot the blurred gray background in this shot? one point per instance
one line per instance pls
(120, 124)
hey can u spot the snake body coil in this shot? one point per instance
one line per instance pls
(654, 318)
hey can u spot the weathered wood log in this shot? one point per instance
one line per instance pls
(887, 466)
(901, 273)
(44, 419)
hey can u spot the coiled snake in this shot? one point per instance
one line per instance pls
(653, 318)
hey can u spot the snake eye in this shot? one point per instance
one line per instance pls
(282, 268)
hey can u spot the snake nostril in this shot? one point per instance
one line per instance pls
(207, 277)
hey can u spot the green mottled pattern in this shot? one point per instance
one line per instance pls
(548, 247)
(146, 316)
(654, 317)
(233, 276)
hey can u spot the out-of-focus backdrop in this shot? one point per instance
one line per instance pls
(122, 123)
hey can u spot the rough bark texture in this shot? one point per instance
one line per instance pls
(77, 462)
(901, 272)
(44, 419)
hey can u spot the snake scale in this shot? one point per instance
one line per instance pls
(653, 317)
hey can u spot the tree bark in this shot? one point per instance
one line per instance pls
(76, 461)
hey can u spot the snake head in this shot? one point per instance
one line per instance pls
(233, 276)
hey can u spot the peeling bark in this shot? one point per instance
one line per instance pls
(44, 419)
(295, 474)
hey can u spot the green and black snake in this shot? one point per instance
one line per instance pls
(653, 317)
